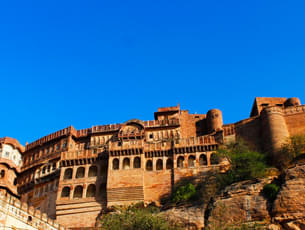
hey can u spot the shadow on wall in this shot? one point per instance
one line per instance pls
(194, 190)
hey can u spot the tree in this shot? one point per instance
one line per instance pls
(293, 148)
(245, 163)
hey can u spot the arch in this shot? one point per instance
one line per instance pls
(203, 160)
(65, 192)
(78, 192)
(91, 190)
(149, 165)
(44, 170)
(68, 173)
(137, 163)
(159, 165)
(191, 161)
(80, 173)
(214, 159)
(2, 174)
(115, 164)
(53, 166)
(180, 162)
(92, 171)
(126, 163)
(169, 163)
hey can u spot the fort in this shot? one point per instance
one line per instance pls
(74, 175)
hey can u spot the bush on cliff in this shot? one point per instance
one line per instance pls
(136, 217)
(270, 191)
(184, 193)
(294, 148)
(246, 164)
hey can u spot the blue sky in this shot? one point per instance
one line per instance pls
(85, 63)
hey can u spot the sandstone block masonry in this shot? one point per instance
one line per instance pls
(73, 175)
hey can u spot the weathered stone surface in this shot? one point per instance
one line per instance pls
(289, 207)
(191, 217)
(239, 203)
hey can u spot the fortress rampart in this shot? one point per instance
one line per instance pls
(74, 175)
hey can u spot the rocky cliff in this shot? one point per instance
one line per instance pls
(244, 203)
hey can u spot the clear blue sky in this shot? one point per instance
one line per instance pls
(85, 63)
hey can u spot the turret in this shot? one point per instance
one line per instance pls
(274, 129)
(214, 120)
(293, 101)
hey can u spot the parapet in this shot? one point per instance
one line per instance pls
(27, 214)
(171, 108)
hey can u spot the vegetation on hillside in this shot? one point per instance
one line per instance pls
(270, 191)
(292, 149)
(136, 217)
(246, 164)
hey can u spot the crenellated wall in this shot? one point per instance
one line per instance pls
(15, 214)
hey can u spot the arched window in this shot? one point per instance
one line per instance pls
(2, 174)
(65, 192)
(126, 163)
(169, 163)
(68, 174)
(80, 173)
(191, 161)
(214, 159)
(91, 190)
(149, 165)
(92, 171)
(44, 170)
(159, 165)
(137, 163)
(115, 164)
(78, 192)
(203, 160)
(180, 162)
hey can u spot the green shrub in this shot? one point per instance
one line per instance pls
(270, 191)
(135, 218)
(184, 193)
(294, 147)
(246, 164)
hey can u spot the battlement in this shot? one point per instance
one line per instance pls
(52, 136)
(105, 128)
(161, 123)
(25, 214)
(171, 108)
(294, 109)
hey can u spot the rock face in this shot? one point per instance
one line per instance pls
(190, 217)
(243, 202)
(289, 207)
(239, 203)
